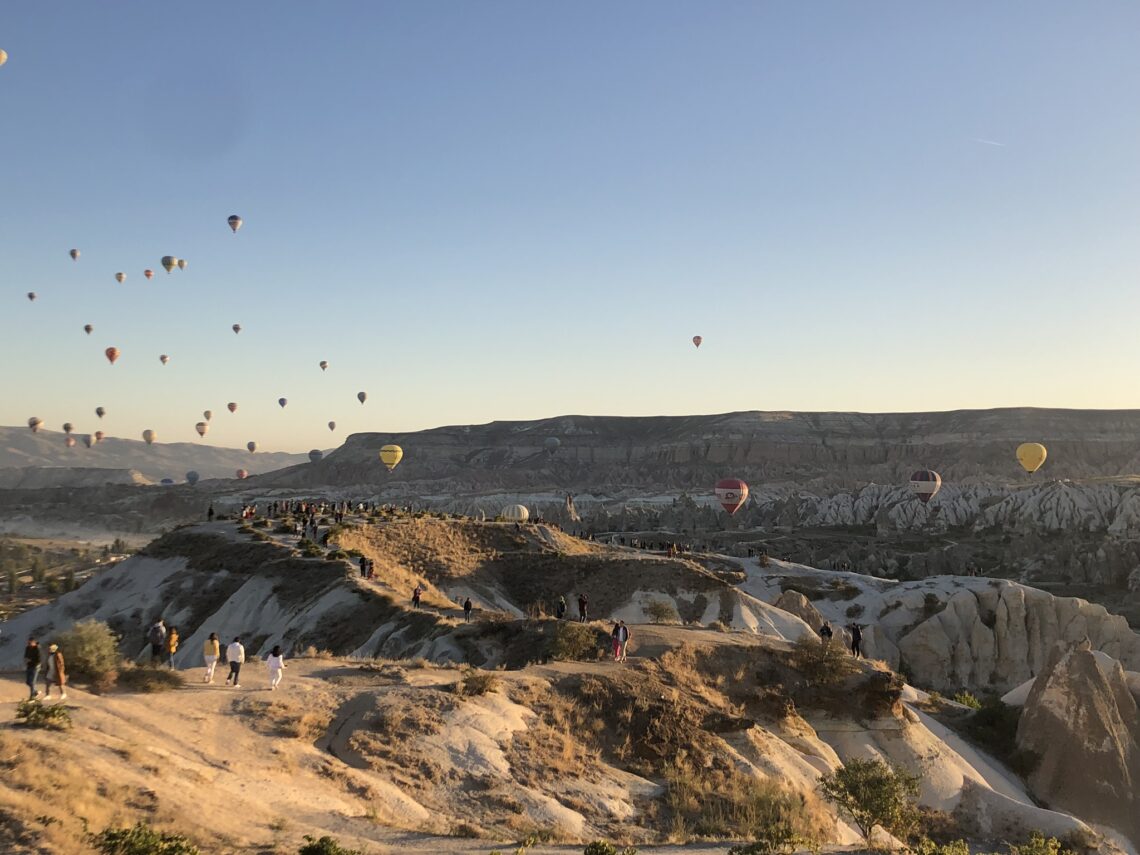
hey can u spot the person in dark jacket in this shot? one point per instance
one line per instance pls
(32, 656)
(826, 633)
(856, 640)
(583, 608)
(467, 607)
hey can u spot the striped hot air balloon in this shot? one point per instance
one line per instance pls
(732, 493)
(925, 484)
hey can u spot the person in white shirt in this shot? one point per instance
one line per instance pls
(275, 662)
(235, 655)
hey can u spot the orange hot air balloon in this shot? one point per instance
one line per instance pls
(99, 435)
(148, 273)
(732, 493)
(232, 407)
(112, 353)
(697, 341)
(242, 474)
(87, 328)
(201, 427)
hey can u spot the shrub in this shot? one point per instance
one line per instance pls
(477, 683)
(1039, 844)
(325, 846)
(32, 713)
(822, 663)
(284, 527)
(874, 794)
(141, 840)
(967, 699)
(149, 679)
(573, 641)
(994, 727)
(337, 555)
(90, 651)
(720, 626)
(309, 549)
(854, 610)
(661, 611)
(602, 847)
(926, 846)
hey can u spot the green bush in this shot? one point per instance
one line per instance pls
(141, 840)
(823, 663)
(602, 847)
(1039, 844)
(33, 713)
(90, 651)
(310, 549)
(661, 611)
(573, 641)
(926, 846)
(994, 727)
(967, 699)
(325, 846)
(874, 794)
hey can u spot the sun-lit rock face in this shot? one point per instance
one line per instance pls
(1080, 723)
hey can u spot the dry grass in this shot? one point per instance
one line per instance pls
(306, 721)
(146, 679)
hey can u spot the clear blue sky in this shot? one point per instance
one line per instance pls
(498, 210)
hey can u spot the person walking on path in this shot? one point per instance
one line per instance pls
(275, 662)
(416, 594)
(583, 607)
(467, 606)
(211, 651)
(560, 609)
(363, 567)
(32, 656)
(54, 673)
(171, 645)
(156, 635)
(235, 656)
(856, 640)
(615, 641)
(623, 638)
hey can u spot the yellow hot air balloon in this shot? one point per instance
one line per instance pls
(169, 262)
(148, 436)
(1031, 456)
(3, 56)
(391, 455)
(182, 262)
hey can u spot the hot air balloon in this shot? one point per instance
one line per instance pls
(87, 328)
(99, 435)
(169, 262)
(324, 365)
(100, 412)
(192, 477)
(252, 446)
(182, 262)
(201, 427)
(164, 359)
(235, 222)
(35, 424)
(925, 483)
(697, 341)
(362, 397)
(242, 474)
(112, 353)
(207, 414)
(69, 442)
(1031, 455)
(74, 255)
(32, 296)
(391, 455)
(68, 427)
(332, 425)
(515, 513)
(552, 444)
(315, 455)
(3, 56)
(236, 328)
(282, 402)
(148, 436)
(88, 440)
(148, 273)
(232, 407)
(120, 277)
(732, 493)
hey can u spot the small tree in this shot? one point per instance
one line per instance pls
(90, 651)
(874, 793)
(662, 611)
(141, 840)
(325, 846)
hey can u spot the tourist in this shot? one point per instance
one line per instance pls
(416, 595)
(826, 633)
(583, 607)
(856, 640)
(211, 652)
(560, 609)
(275, 662)
(171, 645)
(623, 637)
(467, 607)
(210, 513)
(32, 654)
(156, 635)
(55, 673)
(235, 656)
(615, 641)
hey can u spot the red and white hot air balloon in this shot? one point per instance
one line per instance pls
(148, 273)
(925, 484)
(112, 353)
(732, 493)
(242, 474)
